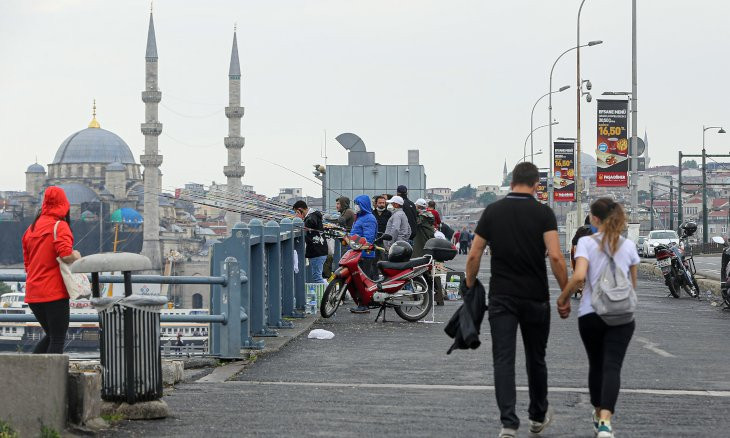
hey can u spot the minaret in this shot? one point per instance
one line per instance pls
(151, 160)
(504, 171)
(234, 142)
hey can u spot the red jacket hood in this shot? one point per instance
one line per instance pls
(55, 203)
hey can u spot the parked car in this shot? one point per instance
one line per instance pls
(659, 237)
(640, 245)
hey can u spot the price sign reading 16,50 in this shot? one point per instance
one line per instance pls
(610, 130)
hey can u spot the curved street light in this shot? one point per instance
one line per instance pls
(550, 114)
(721, 130)
(530, 136)
(532, 143)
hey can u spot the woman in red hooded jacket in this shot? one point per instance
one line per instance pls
(45, 291)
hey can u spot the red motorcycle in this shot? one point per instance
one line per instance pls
(388, 290)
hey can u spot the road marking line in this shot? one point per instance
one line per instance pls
(652, 346)
(695, 392)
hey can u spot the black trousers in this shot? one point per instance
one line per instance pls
(53, 317)
(606, 347)
(506, 313)
(464, 247)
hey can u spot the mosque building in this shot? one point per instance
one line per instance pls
(92, 165)
(99, 173)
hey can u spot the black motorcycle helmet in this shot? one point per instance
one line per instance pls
(400, 252)
(689, 228)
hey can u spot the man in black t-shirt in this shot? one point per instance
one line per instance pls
(519, 231)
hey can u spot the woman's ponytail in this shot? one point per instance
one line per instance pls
(613, 218)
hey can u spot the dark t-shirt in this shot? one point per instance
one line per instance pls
(514, 227)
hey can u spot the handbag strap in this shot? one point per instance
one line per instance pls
(55, 229)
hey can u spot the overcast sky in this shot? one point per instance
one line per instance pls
(455, 79)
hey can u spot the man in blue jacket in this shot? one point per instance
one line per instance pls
(366, 225)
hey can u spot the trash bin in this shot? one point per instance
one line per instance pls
(129, 327)
(129, 344)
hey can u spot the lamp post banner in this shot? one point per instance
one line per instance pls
(612, 150)
(542, 191)
(564, 171)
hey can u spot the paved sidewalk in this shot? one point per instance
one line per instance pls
(395, 379)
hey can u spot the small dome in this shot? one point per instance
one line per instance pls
(36, 168)
(77, 194)
(116, 167)
(93, 145)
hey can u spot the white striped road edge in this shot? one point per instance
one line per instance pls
(405, 386)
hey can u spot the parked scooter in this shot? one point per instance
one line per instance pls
(677, 263)
(388, 289)
(724, 274)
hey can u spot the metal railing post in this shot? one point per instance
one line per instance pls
(247, 340)
(300, 295)
(272, 237)
(230, 341)
(287, 272)
(256, 278)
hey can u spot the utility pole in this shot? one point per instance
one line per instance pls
(671, 205)
(651, 205)
(634, 122)
(679, 192)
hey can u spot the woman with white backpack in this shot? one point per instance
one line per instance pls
(607, 264)
(48, 243)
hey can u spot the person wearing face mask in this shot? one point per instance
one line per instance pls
(365, 226)
(382, 214)
(397, 227)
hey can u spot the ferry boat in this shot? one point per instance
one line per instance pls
(84, 336)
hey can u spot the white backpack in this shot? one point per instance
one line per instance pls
(613, 297)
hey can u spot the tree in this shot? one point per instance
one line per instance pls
(507, 180)
(486, 198)
(466, 192)
(690, 164)
(4, 288)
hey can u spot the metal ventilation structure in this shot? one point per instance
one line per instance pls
(357, 153)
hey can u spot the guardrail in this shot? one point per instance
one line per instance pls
(253, 282)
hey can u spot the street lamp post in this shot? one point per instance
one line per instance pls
(532, 114)
(530, 136)
(525, 156)
(704, 180)
(634, 123)
(579, 94)
(550, 116)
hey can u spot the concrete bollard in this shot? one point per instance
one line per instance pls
(34, 392)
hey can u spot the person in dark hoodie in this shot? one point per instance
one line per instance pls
(365, 226)
(409, 208)
(347, 216)
(49, 237)
(316, 243)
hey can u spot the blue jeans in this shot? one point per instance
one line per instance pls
(316, 264)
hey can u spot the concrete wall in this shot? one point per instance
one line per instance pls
(34, 392)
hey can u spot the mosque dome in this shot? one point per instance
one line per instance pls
(78, 194)
(93, 145)
(35, 168)
(116, 167)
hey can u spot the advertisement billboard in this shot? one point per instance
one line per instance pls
(612, 149)
(564, 171)
(542, 190)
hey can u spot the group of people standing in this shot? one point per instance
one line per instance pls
(395, 215)
(520, 231)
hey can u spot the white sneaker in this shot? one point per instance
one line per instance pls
(604, 430)
(506, 432)
(537, 426)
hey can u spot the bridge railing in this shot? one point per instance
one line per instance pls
(257, 280)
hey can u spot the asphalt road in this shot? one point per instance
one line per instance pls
(395, 379)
